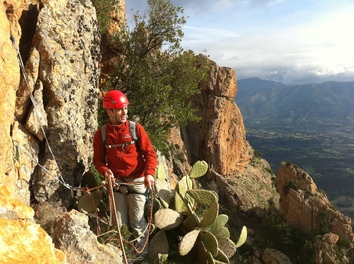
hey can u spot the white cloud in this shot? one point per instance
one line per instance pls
(283, 40)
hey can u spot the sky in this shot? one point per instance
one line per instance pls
(288, 41)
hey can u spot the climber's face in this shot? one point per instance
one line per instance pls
(118, 115)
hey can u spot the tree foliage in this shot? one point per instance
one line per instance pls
(157, 74)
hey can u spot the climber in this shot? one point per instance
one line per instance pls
(127, 160)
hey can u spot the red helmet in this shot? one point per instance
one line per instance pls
(115, 99)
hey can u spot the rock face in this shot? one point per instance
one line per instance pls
(66, 54)
(48, 115)
(221, 138)
(243, 180)
(303, 206)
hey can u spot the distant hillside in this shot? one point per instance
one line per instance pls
(268, 103)
(309, 125)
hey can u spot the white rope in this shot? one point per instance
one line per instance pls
(41, 166)
(61, 180)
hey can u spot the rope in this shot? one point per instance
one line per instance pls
(38, 116)
(113, 209)
(148, 227)
(16, 144)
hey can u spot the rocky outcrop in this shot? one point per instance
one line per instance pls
(48, 115)
(22, 240)
(72, 234)
(68, 47)
(220, 138)
(241, 179)
(303, 206)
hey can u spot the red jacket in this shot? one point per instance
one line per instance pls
(127, 162)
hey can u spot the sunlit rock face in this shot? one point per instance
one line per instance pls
(303, 206)
(47, 115)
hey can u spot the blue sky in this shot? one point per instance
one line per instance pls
(290, 41)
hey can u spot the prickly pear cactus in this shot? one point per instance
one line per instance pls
(184, 185)
(88, 180)
(218, 227)
(199, 168)
(163, 192)
(195, 211)
(242, 238)
(210, 215)
(167, 219)
(89, 201)
(180, 205)
(158, 247)
(187, 242)
(205, 197)
(160, 172)
(210, 242)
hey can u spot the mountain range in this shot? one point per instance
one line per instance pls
(310, 125)
(269, 103)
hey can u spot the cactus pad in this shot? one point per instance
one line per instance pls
(103, 207)
(157, 206)
(158, 245)
(188, 224)
(219, 222)
(199, 168)
(221, 257)
(88, 180)
(205, 197)
(163, 192)
(218, 227)
(188, 242)
(210, 215)
(89, 201)
(184, 185)
(242, 238)
(160, 172)
(203, 255)
(180, 205)
(167, 219)
(209, 241)
(227, 247)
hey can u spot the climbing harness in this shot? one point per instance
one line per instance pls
(113, 186)
(150, 197)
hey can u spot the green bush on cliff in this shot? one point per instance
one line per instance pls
(103, 7)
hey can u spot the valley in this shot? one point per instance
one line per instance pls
(320, 139)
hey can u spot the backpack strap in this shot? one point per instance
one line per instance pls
(132, 128)
(103, 133)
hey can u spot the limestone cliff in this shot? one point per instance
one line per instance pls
(48, 116)
(220, 140)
